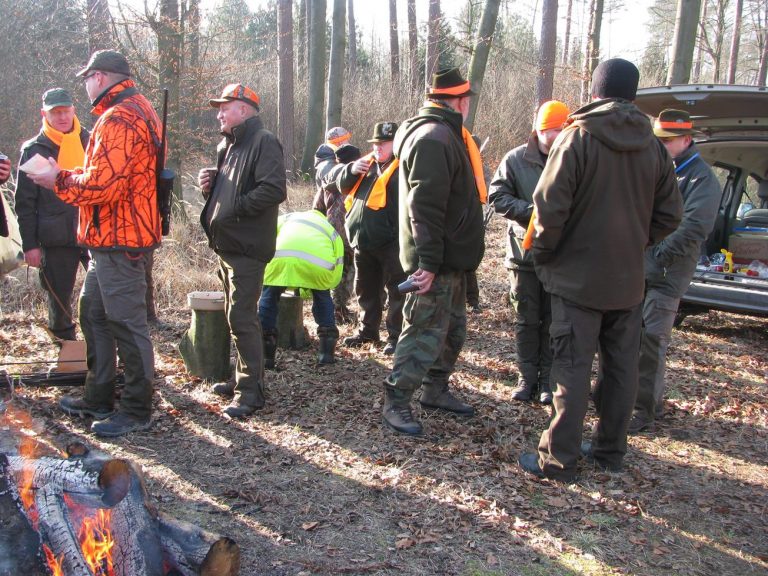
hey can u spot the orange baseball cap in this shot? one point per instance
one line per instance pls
(236, 92)
(551, 114)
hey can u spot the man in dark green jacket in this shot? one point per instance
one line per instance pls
(370, 185)
(670, 264)
(441, 237)
(47, 224)
(242, 196)
(511, 195)
(608, 191)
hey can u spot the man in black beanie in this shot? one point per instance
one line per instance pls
(608, 191)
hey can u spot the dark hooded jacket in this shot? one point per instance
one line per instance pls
(511, 195)
(608, 191)
(240, 215)
(441, 217)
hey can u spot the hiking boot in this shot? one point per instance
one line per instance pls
(118, 424)
(523, 391)
(358, 341)
(530, 463)
(389, 347)
(588, 455)
(239, 409)
(74, 406)
(225, 389)
(640, 424)
(270, 348)
(397, 412)
(437, 396)
(328, 336)
(545, 394)
(475, 309)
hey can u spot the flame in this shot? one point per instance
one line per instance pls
(27, 449)
(53, 563)
(96, 541)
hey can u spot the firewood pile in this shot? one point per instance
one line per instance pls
(88, 514)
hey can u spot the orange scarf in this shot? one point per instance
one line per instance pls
(71, 151)
(528, 239)
(475, 159)
(377, 199)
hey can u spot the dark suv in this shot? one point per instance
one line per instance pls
(734, 125)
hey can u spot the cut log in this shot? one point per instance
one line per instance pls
(57, 532)
(205, 346)
(290, 322)
(209, 553)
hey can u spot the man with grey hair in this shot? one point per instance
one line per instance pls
(607, 191)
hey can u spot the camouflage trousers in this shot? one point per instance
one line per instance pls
(342, 294)
(434, 331)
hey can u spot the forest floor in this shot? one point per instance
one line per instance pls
(315, 484)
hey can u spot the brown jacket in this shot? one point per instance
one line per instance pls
(608, 191)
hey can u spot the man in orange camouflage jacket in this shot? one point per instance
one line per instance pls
(119, 223)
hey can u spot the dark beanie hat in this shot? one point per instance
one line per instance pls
(615, 78)
(347, 153)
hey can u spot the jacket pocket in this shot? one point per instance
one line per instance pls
(55, 230)
(561, 341)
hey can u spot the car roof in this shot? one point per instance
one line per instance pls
(715, 108)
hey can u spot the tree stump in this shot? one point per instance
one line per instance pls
(290, 322)
(205, 345)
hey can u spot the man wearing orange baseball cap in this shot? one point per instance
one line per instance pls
(242, 195)
(511, 195)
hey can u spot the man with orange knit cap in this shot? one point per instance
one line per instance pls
(511, 195)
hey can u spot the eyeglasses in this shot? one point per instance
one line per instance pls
(91, 75)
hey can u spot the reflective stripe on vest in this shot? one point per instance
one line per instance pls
(311, 258)
(332, 234)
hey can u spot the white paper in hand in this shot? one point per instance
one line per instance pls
(36, 165)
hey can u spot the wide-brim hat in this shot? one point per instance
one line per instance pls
(56, 97)
(236, 92)
(449, 84)
(107, 61)
(384, 132)
(672, 123)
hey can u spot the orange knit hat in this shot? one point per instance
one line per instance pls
(552, 114)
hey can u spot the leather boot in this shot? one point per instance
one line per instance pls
(545, 393)
(327, 337)
(397, 412)
(270, 348)
(226, 389)
(437, 395)
(523, 390)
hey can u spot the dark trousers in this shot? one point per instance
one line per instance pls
(378, 269)
(434, 331)
(576, 333)
(242, 279)
(533, 316)
(473, 290)
(58, 272)
(113, 315)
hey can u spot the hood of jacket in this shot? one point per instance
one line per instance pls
(617, 123)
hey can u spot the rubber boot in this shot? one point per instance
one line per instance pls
(270, 348)
(328, 336)
(397, 412)
(437, 395)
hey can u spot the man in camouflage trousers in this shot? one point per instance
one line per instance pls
(442, 190)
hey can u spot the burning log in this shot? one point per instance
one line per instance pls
(57, 532)
(208, 553)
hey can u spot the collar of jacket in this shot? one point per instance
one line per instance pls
(532, 153)
(686, 155)
(449, 115)
(243, 131)
(105, 100)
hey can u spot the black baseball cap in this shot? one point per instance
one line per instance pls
(56, 97)
(107, 61)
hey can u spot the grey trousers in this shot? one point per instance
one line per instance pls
(577, 332)
(113, 316)
(242, 278)
(659, 312)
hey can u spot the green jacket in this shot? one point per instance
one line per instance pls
(240, 215)
(511, 195)
(369, 229)
(441, 217)
(670, 264)
(608, 191)
(309, 253)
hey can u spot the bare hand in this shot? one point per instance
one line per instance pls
(204, 181)
(48, 178)
(33, 257)
(360, 167)
(423, 280)
(5, 170)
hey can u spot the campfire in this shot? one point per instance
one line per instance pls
(90, 515)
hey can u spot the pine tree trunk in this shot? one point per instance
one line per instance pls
(547, 51)
(285, 125)
(686, 23)
(316, 89)
(567, 38)
(99, 22)
(592, 52)
(433, 39)
(394, 44)
(480, 56)
(352, 41)
(735, 40)
(413, 47)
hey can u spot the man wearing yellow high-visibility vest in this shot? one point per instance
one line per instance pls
(309, 255)
(371, 188)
